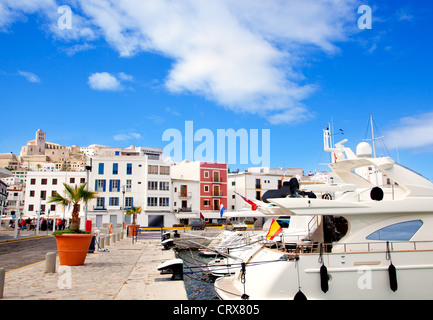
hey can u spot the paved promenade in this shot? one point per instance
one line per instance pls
(125, 272)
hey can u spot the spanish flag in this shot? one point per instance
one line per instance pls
(274, 230)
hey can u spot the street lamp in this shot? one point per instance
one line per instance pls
(123, 206)
(88, 169)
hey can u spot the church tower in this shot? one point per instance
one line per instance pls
(40, 141)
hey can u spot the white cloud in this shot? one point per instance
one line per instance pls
(242, 54)
(245, 55)
(104, 81)
(127, 136)
(415, 132)
(31, 77)
(70, 51)
(125, 77)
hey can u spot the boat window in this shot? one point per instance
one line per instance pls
(402, 231)
(283, 223)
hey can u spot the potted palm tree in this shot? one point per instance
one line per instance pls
(133, 211)
(73, 243)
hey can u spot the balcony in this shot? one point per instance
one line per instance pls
(216, 179)
(184, 195)
(185, 209)
(217, 194)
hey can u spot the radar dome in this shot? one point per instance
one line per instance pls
(363, 150)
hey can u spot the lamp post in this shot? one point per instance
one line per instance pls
(88, 169)
(16, 217)
(123, 207)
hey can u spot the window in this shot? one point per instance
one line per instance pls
(164, 170)
(206, 174)
(114, 185)
(152, 169)
(233, 183)
(54, 182)
(129, 168)
(402, 231)
(152, 201)
(44, 181)
(100, 202)
(116, 153)
(53, 207)
(113, 201)
(32, 181)
(100, 185)
(101, 168)
(258, 184)
(72, 180)
(43, 195)
(206, 188)
(128, 185)
(82, 180)
(129, 202)
(32, 193)
(206, 203)
(258, 196)
(115, 168)
(53, 193)
(163, 202)
(152, 185)
(164, 186)
(31, 207)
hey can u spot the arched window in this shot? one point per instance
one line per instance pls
(402, 231)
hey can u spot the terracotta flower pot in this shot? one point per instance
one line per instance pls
(131, 229)
(72, 248)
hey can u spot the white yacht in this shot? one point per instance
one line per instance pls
(373, 241)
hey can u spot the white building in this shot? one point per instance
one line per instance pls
(40, 186)
(122, 181)
(185, 199)
(253, 183)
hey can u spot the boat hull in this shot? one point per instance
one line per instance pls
(351, 276)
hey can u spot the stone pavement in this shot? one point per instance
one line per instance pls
(126, 271)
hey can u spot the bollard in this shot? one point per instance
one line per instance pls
(113, 237)
(122, 233)
(107, 239)
(118, 236)
(2, 281)
(50, 262)
(101, 242)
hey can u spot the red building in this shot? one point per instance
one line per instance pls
(213, 187)
(198, 189)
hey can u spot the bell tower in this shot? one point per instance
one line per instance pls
(40, 141)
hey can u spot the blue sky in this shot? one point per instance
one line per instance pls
(129, 70)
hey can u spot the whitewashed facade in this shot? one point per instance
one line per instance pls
(40, 186)
(251, 185)
(123, 181)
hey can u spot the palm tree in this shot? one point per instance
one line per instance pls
(134, 211)
(74, 195)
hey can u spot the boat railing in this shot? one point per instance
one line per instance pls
(359, 247)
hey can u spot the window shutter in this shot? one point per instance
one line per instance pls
(118, 185)
(111, 185)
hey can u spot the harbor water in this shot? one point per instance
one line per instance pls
(199, 284)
